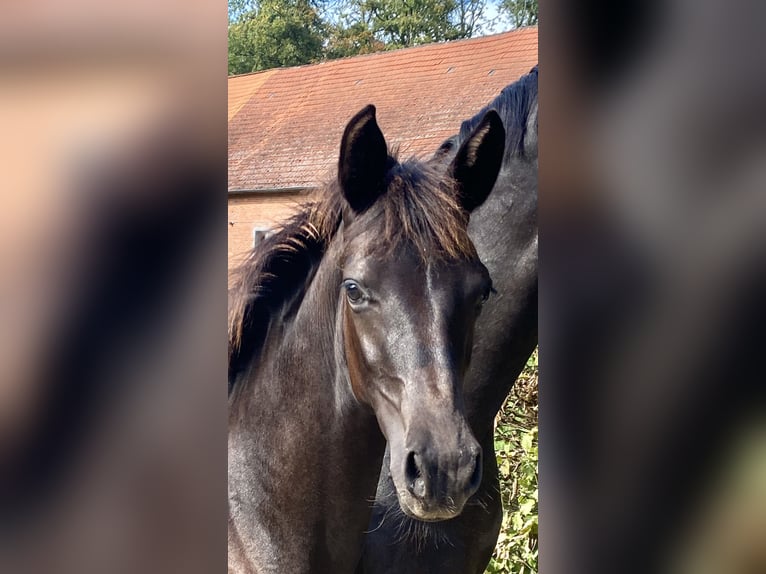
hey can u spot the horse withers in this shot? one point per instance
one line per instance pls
(356, 317)
(504, 232)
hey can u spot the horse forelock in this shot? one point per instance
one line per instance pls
(419, 208)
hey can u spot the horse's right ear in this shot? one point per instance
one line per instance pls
(363, 161)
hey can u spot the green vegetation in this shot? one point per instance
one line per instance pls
(520, 12)
(516, 449)
(267, 34)
(278, 33)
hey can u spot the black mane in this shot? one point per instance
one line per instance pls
(513, 104)
(273, 271)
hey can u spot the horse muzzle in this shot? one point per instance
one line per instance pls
(437, 485)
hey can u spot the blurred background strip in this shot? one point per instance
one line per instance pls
(112, 287)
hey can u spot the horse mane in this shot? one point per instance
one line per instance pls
(513, 104)
(419, 206)
(275, 268)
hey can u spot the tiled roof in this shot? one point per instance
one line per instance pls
(285, 124)
(242, 88)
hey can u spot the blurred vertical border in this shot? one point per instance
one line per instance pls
(652, 242)
(113, 286)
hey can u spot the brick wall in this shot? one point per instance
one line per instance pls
(249, 211)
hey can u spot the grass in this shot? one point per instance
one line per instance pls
(516, 449)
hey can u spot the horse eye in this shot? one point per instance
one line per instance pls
(353, 292)
(486, 294)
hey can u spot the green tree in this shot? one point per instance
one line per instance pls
(352, 40)
(274, 33)
(349, 30)
(401, 23)
(468, 17)
(238, 8)
(520, 12)
(269, 33)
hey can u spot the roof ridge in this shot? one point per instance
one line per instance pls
(395, 51)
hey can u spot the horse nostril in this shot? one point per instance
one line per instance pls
(416, 484)
(473, 484)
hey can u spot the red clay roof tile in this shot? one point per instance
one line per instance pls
(285, 124)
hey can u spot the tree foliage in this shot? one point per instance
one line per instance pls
(401, 23)
(270, 33)
(275, 33)
(520, 12)
(468, 17)
(352, 40)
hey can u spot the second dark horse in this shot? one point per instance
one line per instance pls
(504, 231)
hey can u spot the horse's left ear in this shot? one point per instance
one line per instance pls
(363, 160)
(478, 161)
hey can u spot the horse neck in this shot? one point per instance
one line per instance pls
(504, 228)
(315, 332)
(504, 231)
(303, 348)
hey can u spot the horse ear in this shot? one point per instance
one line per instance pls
(363, 160)
(478, 161)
